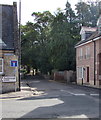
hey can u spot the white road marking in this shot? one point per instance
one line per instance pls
(74, 116)
(94, 94)
(71, 93)
(37, 81)
(78, 94)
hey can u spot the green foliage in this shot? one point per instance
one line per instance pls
(87, 13)
(48, 43)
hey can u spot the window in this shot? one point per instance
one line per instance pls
(80, 51)
(83, 36)
(80, 57)
(87, 52)
(99, 29)
(1, 66)
(80, 72)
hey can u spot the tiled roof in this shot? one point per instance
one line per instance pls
(89, 29)
(93, 36)
(2, 44)
(7, 35)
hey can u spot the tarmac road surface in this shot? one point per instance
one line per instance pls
(50, 99)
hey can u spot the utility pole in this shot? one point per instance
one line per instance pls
(19, 43)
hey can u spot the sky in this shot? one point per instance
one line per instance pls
(30, 6)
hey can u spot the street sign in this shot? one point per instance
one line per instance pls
(9, 79)
(14, 63)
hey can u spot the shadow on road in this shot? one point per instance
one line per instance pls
(61, 106)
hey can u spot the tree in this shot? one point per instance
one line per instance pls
(83, 13)
(49, 42)
(34, 42)
(87, 13)
(70, 14)
(64, 36)
(29, 36)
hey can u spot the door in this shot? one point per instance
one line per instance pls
(100, 64)
(87, 74)
(100, 69)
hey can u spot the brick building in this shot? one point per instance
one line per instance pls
(88, 56)
(9, 77)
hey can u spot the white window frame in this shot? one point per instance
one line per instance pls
(80, 73)
(87, 51)
(2, 65)
(83, 36)
(80, 53)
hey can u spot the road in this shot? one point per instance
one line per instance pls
(50, 99)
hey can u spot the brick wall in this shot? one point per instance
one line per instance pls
(88, 62)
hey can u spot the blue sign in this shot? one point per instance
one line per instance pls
(14, 63)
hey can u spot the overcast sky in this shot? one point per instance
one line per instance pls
(30, 6)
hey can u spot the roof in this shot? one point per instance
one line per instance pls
(99, 20)
(88, 29)
(7, 27)
(92, 29)
(93, 36)
(2, 44)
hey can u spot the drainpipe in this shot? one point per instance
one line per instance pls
(94, 62)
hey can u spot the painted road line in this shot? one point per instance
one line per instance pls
(37, 81)
(94, 94)
(71, 93)
(67, 92)
(78, 94)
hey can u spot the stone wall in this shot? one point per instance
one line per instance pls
(65, 76)
(9, 35)
(9, 72)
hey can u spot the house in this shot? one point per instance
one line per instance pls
(88, 56)
(9, 51)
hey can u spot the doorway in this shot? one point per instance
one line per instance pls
(87, 74)
(100, 64)
(99, 69)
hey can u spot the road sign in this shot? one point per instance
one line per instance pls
(9, 79)
(14, 63)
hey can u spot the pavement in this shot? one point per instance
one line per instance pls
(25, 92)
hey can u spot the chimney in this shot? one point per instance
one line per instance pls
(16, 42)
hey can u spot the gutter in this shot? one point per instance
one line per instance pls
(83, 44)
(97, 38)
(88, 42)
